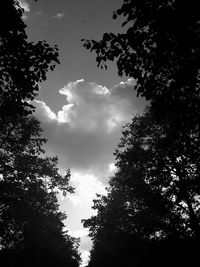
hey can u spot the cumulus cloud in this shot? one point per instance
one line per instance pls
(45, 113)
(87, 129)
(92, 107)
(84, 134)
(87, 186)
(85, 243)
(59, 16)
(85, 257)
(26, 7)
(112, 168)
(78, 233)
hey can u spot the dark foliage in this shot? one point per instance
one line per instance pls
(23, 64)
(161, 50)
(31, 225)
(150, 216)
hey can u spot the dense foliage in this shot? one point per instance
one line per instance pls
(152, 209)
(31, 225)
(23, 64)
(32, 230)
(160, 49)
(151, 214)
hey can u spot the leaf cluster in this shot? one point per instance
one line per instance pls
(23, 64)
(151, 211)
(30, 220)
(160, 49)
(152, 202)
(31, 225)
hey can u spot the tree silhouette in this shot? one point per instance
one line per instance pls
(159, 47)
(152, 206)
(150, 216)
(30, 221)
(31, 226)
(23, 64)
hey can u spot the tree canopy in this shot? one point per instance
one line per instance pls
(159, 47)
(151, 214)
(32, 230)
(23, 63)
(152, 204)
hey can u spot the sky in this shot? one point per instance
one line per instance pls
(81, 108)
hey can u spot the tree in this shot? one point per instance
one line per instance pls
(153, 199)
(23, 64)
(160, 49)
(152, 204)
(30, 221)
(169, 170)
(31, 225)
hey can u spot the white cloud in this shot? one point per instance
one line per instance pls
(43, 111)
(87, 186)
(84, 134)
(85, 254)
(78, 233)
(83, 249)
(64, 115)
(95, 105)
(59, 16)
(112, 168)
(129, 82)
(25, 5)
(86, 130)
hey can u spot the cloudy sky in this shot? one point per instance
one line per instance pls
(82, 108)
